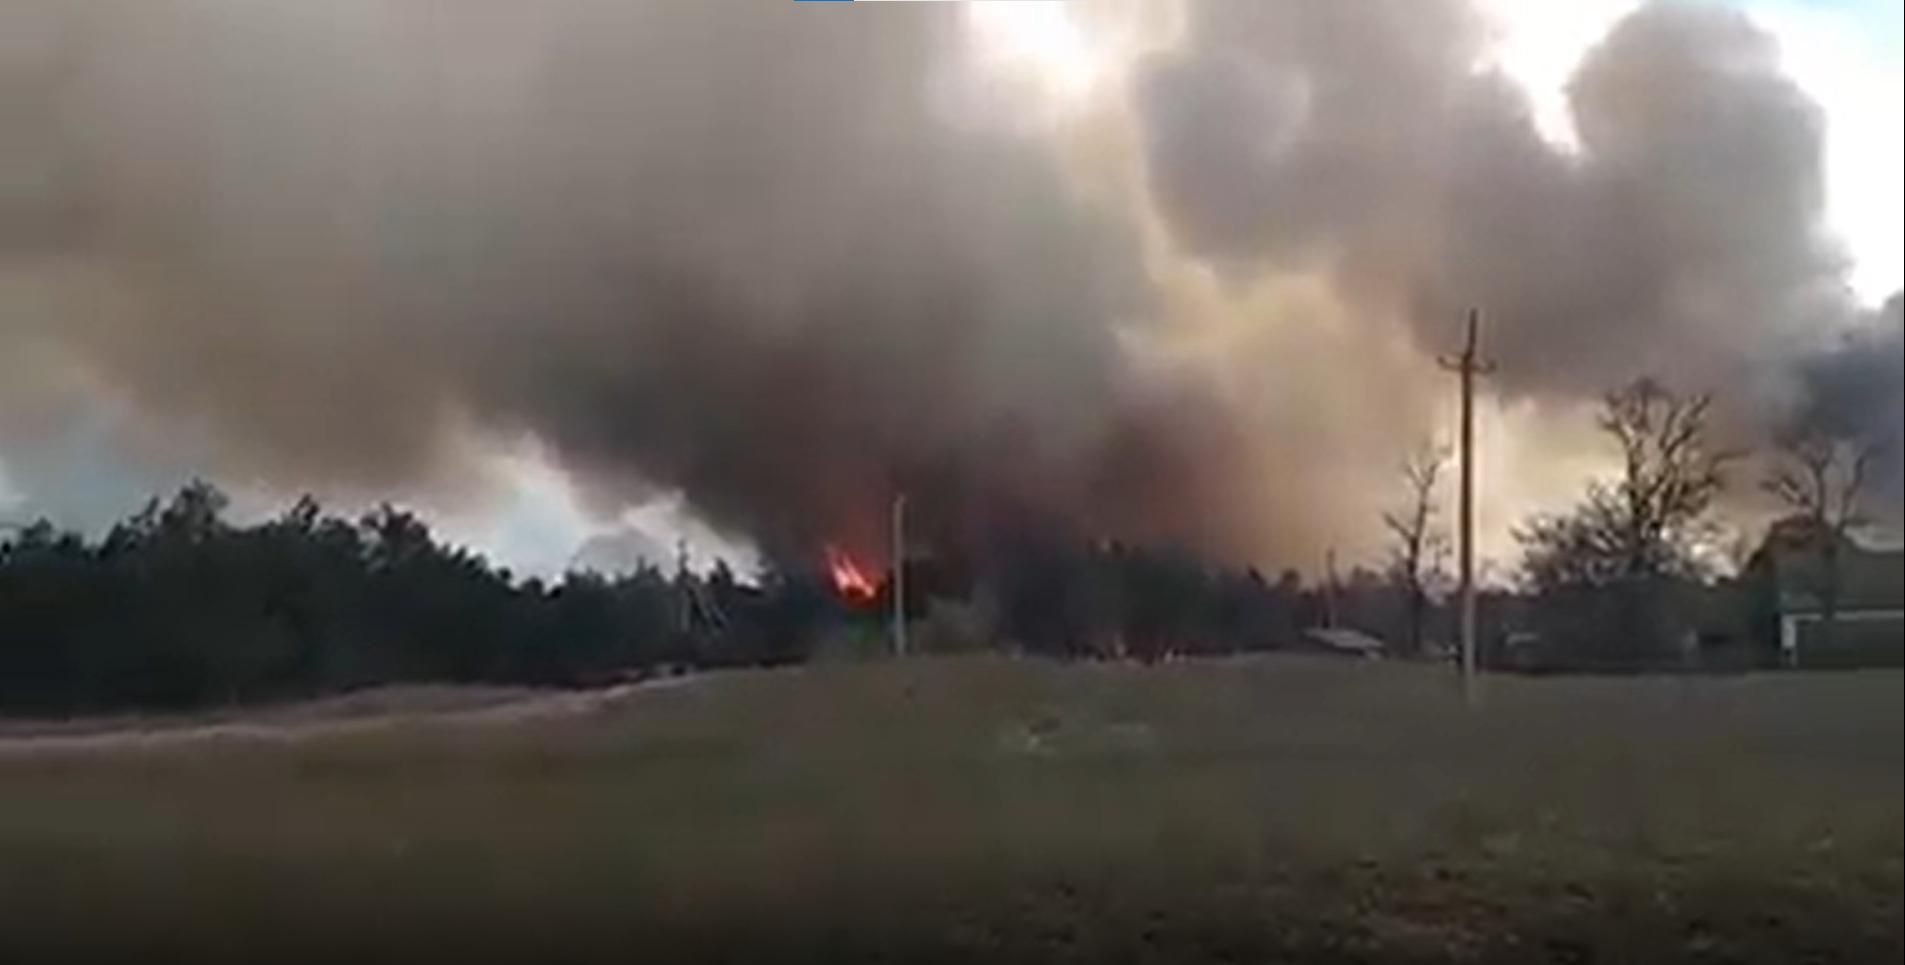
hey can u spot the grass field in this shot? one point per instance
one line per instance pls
(987, 809)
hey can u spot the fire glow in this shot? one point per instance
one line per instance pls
(849, 579)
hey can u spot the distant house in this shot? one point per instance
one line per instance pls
(1342, 641)
(1788, 580)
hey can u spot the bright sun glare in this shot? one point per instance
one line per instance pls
(1040, 37)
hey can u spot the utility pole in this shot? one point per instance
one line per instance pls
(899, 574)
(1329, 588)
(1468, 365)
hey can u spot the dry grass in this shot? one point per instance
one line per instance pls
(947, 810)
(392, 701)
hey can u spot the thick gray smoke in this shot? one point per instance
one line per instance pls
(760, 253)
(771, 255)
(1682, 236)
(1856, 390)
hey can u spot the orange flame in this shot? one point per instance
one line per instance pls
(849, 580)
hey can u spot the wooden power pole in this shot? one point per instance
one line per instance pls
(1468, 365)
(1329, 589)
(899, 574)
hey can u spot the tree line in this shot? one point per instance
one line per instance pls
(177, 606)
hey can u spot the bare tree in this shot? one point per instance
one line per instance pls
(1820, 478)
(1419, 543)
(1670, 473)
(1649, 526)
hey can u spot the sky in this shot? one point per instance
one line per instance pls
(1060, 75)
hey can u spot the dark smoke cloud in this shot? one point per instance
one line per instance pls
(1681, 235)
(773, 256)
(759, 253)
(1856, 390)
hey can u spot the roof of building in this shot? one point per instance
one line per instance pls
(1345, 640)
(1868, 579)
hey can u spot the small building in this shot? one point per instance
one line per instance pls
(1342, 641)
(1790, 580)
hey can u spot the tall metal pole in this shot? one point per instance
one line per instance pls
(1467, 366)
(899, 574)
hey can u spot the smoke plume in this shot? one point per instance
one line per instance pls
(753, 252)
(1682, 236)
(1855, 390)
(773, 256)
